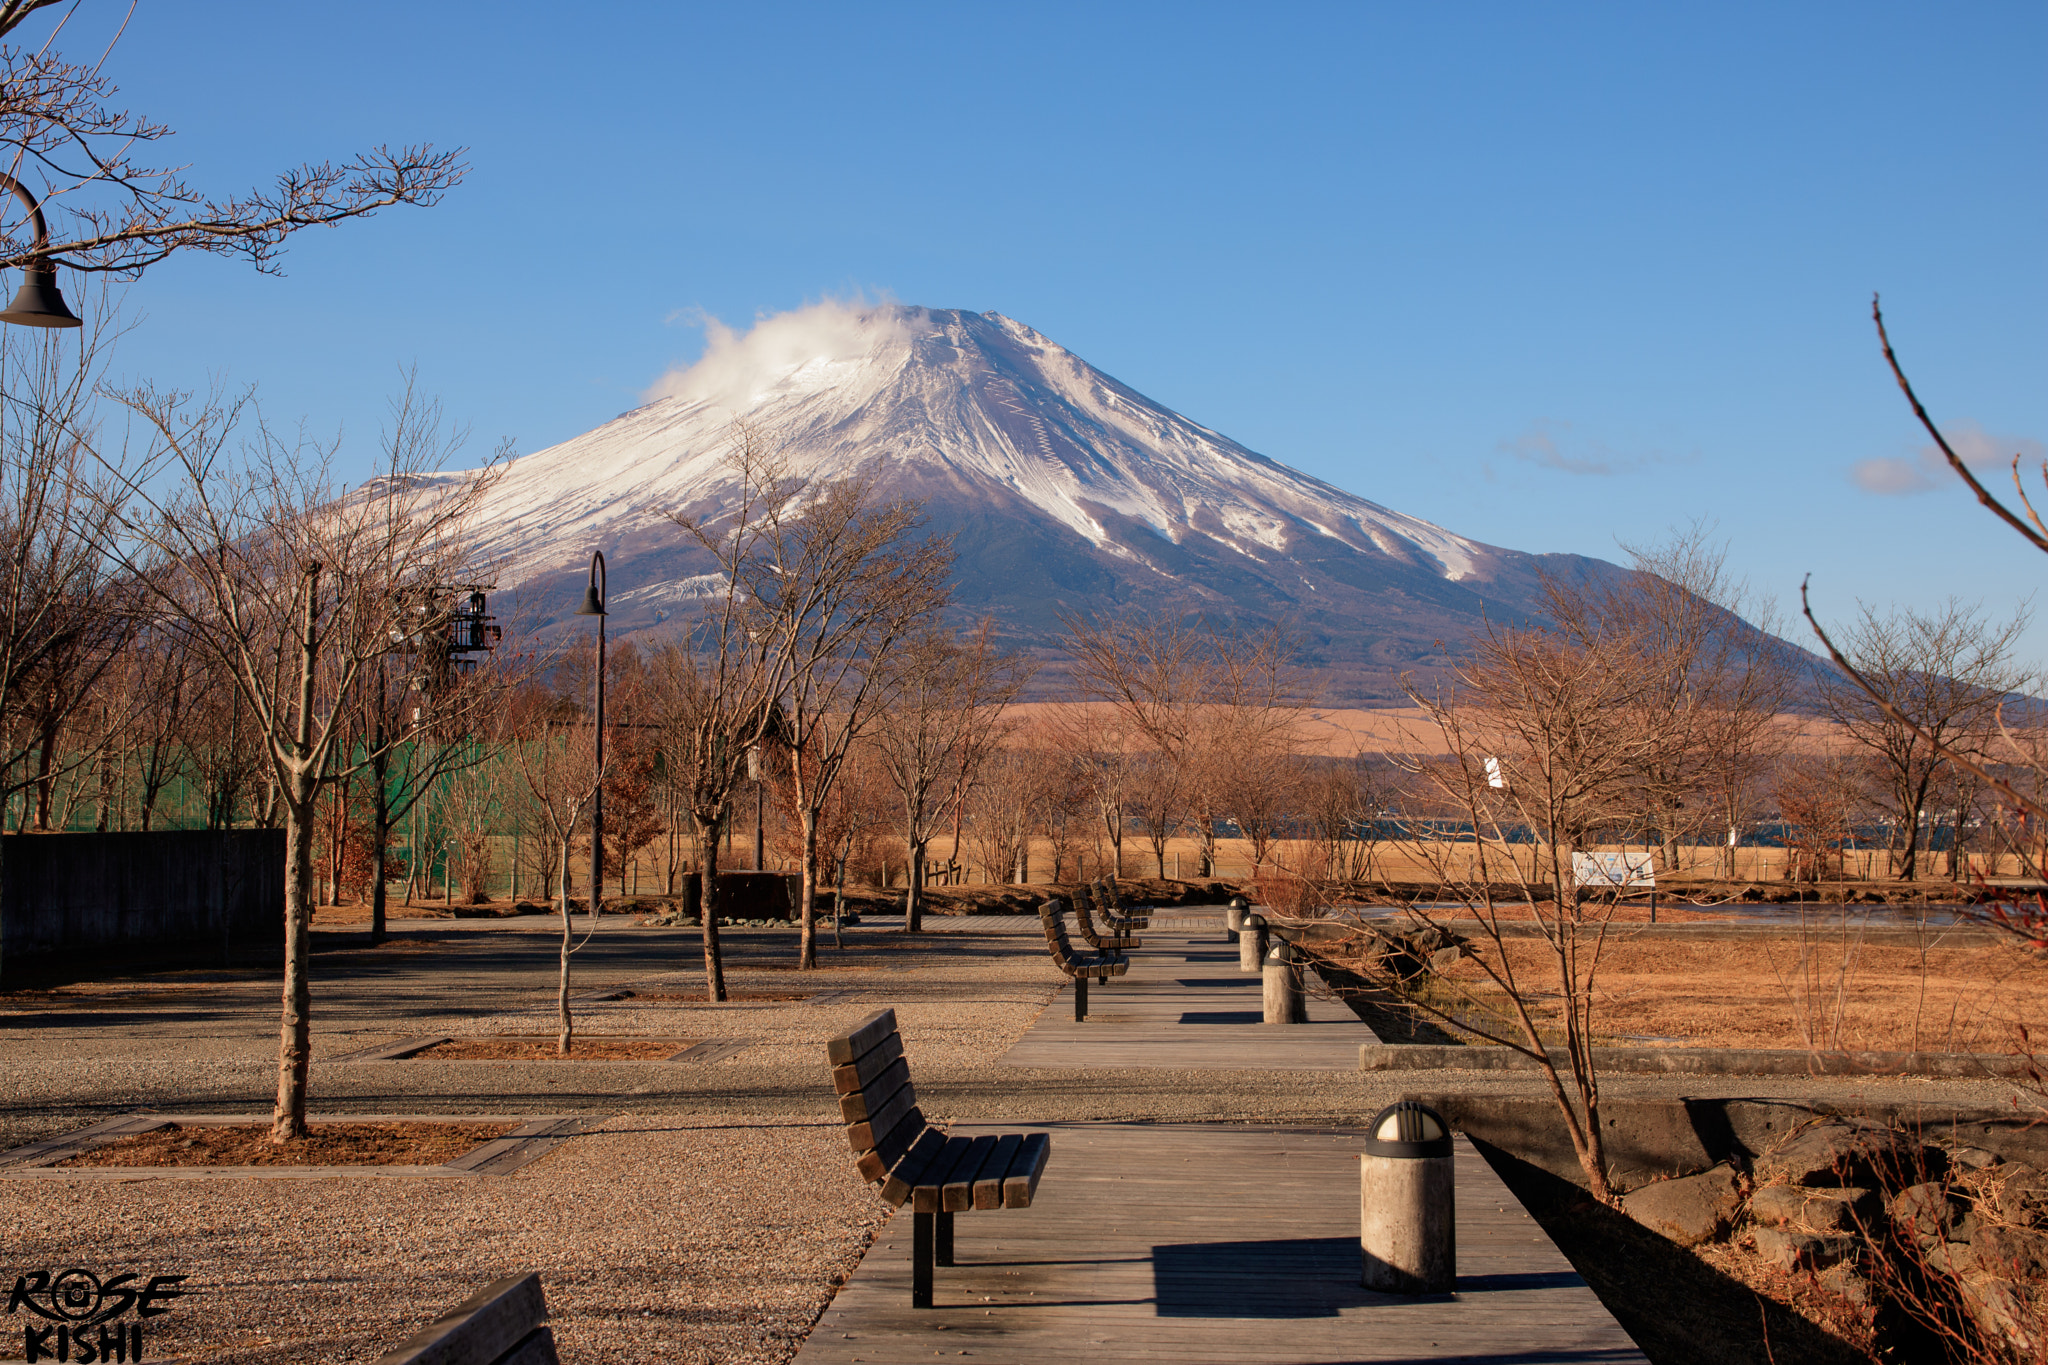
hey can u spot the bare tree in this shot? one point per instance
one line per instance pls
(1541, 741)
(1103, 748)
(1156, 786)
(1191, 693)
(720, 692)
(555, 751)
(1926, 687)
(64, 615)
(1716, 683)
(292, 591)
(838, 578)
(2020, 748)
(1000, 805)
(1816, 798)
(941, 724)
(121, 215)
(417, 728)
(1341, 802)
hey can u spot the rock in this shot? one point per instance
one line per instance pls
(1953, 1259)
(1795, 1249)
(1972, 1158)
(1426, 940)
(1925, 1212)
(1816, 1210)
(2011, 1253)
(1443, 959)
(2006, 1312)
(1689, 1211)
(1844, 1281)
(1834, 1152)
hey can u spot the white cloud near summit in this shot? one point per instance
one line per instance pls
(1986, 453)
(737, 368)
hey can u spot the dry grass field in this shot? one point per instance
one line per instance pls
(1830, 989)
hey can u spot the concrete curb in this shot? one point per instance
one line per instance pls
(1880, 934)
(1698, 1061)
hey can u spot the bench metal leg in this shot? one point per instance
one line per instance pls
(921, 1238)
(943, 1251)
(1080, 998)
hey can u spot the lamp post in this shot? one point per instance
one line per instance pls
(593, 605)
(37, 303)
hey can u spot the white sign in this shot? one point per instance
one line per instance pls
(1623, 869)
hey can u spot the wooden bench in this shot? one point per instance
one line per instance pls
(1113, 913)
(894, 1147)
(501, 1324)
(1080, 966)
(1084, 902)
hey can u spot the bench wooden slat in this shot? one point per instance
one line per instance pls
(958, 1194)
(482, 1327)
(1025, 1168)
(865, 1037)
(929, 1145)
(862, 1103)
(988, 1183)
(537, 1349)
(874, 1165)
(1052, 917)
(867, 1135)
(854, 1075)
(929, 1189)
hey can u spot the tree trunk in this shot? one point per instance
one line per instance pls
(839, 899)
(1909, 869)
(807, 946)
(714, 964)
(565, 1036)
(46, 779)
(913, 887)
(295, 1028)
(380, 836)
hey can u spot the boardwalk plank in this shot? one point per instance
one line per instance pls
(1126, 1254)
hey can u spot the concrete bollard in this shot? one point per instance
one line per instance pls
(1285, 1003)
(1251, 944)
(1233, 918)
(1407, 1209)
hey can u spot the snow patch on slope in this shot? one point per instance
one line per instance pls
(953, 398)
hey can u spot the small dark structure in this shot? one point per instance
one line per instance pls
(759, 895)
(71, 901)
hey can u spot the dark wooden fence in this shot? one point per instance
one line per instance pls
(70, 901)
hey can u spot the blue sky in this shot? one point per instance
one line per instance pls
(1547, 275)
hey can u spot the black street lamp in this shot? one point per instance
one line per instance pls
(37, 303)
(593, 605)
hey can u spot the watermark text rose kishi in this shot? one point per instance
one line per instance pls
(84, 1313)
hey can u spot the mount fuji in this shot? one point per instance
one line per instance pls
(1061, 488)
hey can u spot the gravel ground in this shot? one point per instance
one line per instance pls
(711, 1217)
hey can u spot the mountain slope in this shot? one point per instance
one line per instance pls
(1062, 488)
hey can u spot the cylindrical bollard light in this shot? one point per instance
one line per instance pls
(1251, 943)
(1233, 918)
(1407, 1212)
(1285, 1003)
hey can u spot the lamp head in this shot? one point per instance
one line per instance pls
(592, 606)
(39, 303)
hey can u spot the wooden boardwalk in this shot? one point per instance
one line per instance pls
(1211, 1242)
(1184, 1004)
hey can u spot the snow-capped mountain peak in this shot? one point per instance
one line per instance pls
(1062, 487)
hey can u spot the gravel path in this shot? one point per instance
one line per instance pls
(709, 1219)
